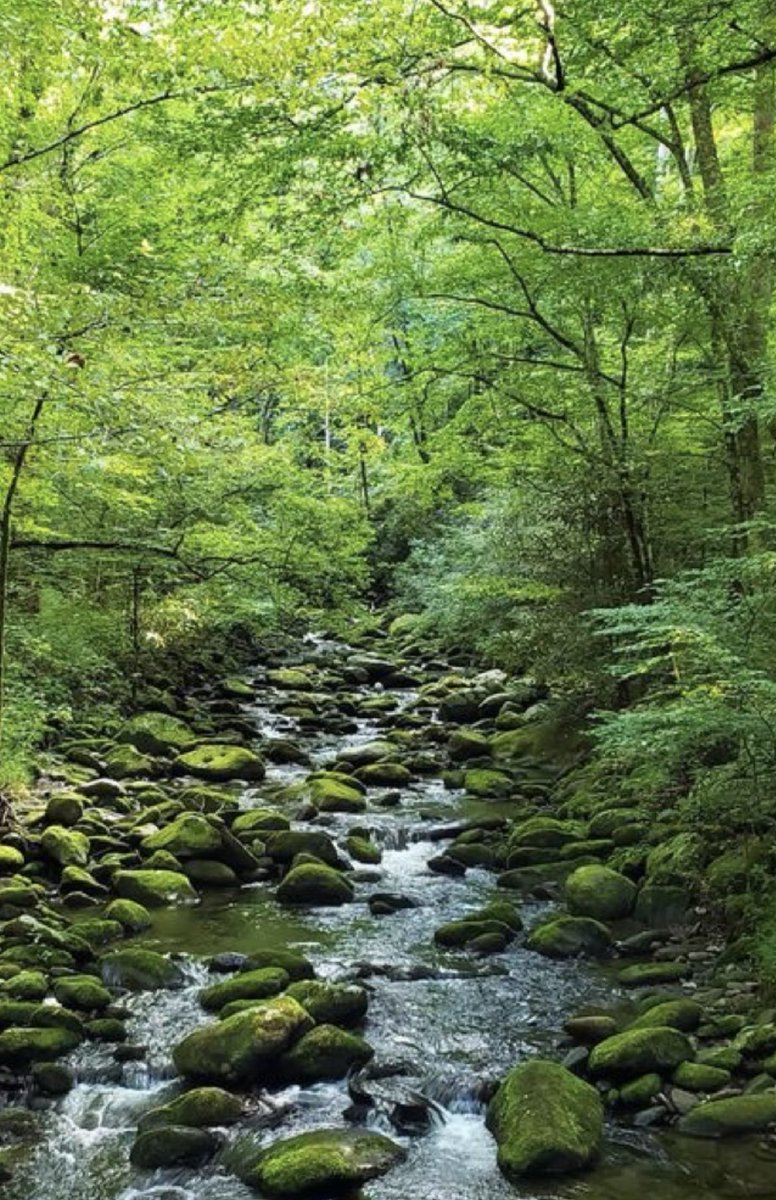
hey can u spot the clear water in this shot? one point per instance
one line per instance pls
(461, 1024)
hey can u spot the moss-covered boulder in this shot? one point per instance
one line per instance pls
(334, 792)
(362, 850)
(259, 821)
(700, 1077)
(210, 873)
(545, 1121)
(545, 831)
(326, 1052)
(384, 774)
(139, 970)
(292, 679)
(600, 893)
(197, 1108)
(82, 992)
(157, 733)
(650, 974)
(465, 744)
(676, 859)
(68, 847)
(132, 917)
(486, 783)
(52, 1079)
(569, 937)
(732, 1117)
(125, 762)
(314, 884)
(153, 889)
(331, 1003)
(635, 1052)
(684, 1014)
(328, 1162)
(292, 962)
(590, 1028)
(284, 846)
(172, 1146)
(238, 1049)
(21, 1047)
(639, 1093)
(27, 985)
(190, 835)
(220, 763)
(248, 985)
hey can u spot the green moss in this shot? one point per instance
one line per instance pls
(197, 1108)
(700, 1077)
(649, 974)
(237, 1049)
(11, 859)
(153, 888)
(132, 917)
(20, 1047)
(314, 884)
(482, 782)
(639, 1052)
(292, 962)
(259, 820)
(64, 808)
(384, 774)
(568, 937)
(220, 763)
(248, 985)
(67, 847)
(190, 835)
(362, 850)
(172, 1146)
(27, 985)
(677, 1014)
(82, 992)
(676, 860)
(323, 1162)
(326, 1052)
(545, 1120)
(157, 733)
(545, 831)
(640, 1092)
(732, 1117)
(331, 1003)
(600, 893)
(138, 969)
(284, 846)
(125, 762)
(334, 792)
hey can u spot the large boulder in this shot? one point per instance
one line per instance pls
(237, 1049)
(20, 1047)
(600, 893)
(82, 992)
(153, 889)
(189, 836)
(314, 884)
(635, 1052)
(732, 1117)
(221, 763)
(157, 733)
(284, 846)
(545, 1121)
(323, 1162)
(331, 1003)
(172, 1146)
(568, 937)
(196, 1108)
(333, 792)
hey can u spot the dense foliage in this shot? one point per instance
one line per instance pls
(464, 308)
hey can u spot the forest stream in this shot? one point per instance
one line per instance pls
(444, 1025)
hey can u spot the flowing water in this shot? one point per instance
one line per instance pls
(451, 1023)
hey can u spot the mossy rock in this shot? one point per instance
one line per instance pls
(678, 1014)
(125, 762)
(590, 848)
(64, 808)
(326, 1052)
(727, 1058)
(172, 1146)
(384, 774)
(139, 970)
(76, 879)
(650, 974)
(640, 1092)
(292, 962)
(676, 859)
(157, 733)
(132, 917)
(314, 884)
(700, 1077)
(153, 888)
(331, 1003)
(53, 1079)
(260, 984)
(99, 932)
(11, 860)
(545, 1121)
(259, 820)
(362, 850)
(107, 1029)
(661, 906)
(590, 1028)
(82, 992)
(607, 821)
(733, 1117)
(238, 1049)
(465, 933)
(67, 847)
(189, 836)
(635, 1052)
(208, 872)
(569, 937)
(333, 792)
(545, 831)
(284, 846)
(197, 1108)
(329, 1162)
(27, 985)
(219, 763)
(465, 744)
(600, 893)
(21, 1047)
(290, 679)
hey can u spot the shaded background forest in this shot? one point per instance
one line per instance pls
(460, 311)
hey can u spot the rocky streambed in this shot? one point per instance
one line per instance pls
(325, 925)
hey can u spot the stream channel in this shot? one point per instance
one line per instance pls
(461, 1021)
